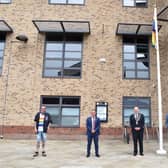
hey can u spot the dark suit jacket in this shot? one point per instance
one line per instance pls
(89, 126)
(140, 122)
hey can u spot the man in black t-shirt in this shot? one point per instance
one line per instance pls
(42, 120)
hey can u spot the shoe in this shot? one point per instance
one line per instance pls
(141, 154)
(44, 154)
(88, 155)
(134, 154)
(35, 154)
(97, 155)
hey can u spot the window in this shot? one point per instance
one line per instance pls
(144, 105)
(63, 56)
(137, 3)
(64, 111)
(2, 47)
(5, 1)
(135, 58)
(77, 2)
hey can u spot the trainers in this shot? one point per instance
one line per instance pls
(35, 154)
(44, 153)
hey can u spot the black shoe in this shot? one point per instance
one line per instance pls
(141, 154)
(88, 155)
(134, 154)
(97, 155)
(35, 154)
(44, 154)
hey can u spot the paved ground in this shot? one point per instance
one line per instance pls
(71, 154)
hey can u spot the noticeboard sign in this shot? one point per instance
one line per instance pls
(102, 111)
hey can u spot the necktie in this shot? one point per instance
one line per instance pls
(93, 123)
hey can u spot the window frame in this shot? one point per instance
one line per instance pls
(135, 6)
(63, 59)
(135, 38)
(5, 2)
(66, 3)
(61, 106)
(140, 107)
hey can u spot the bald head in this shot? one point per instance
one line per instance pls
(136, 109)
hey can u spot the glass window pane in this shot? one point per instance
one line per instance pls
(73, 47)
(142, 48)
(129, 74)
(54, 46)
(143, 102)
(76, 1)
(128, 2)
(129, 65)
(145, 112)
(55, 114)
(72, 64)
(143, 74)
(2, 45)
(70, 121)
(1, 62)
(1, 54)
(52, 54)
(70, 111)
(58, 1)
(128, 111)
(5, 1)
(52, 72)
(147, 121)
(53, 110)
(143, 65)
(50, 100)
(129, 48)
(129, 56)
(70, 100)
(141, 3)
(73, 55)
(53, 63)
(72, 72)
(131, 102)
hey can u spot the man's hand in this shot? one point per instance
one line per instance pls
(93, 131)
(137, 128)
(35, 130)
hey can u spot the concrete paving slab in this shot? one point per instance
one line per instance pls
(72, 154)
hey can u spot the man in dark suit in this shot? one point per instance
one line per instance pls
(93, 131)
(137, 124)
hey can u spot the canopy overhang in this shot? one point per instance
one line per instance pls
(4, 27)
(134, 29)
(163, 14)
(45, 26)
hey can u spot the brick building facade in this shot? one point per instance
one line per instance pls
(79, 53)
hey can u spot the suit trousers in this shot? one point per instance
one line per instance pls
(89, 143)
(138, 137)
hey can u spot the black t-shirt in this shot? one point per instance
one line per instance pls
(47, 120)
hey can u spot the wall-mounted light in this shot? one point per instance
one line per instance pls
(22, 37)
(102, 60)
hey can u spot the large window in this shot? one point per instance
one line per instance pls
(5, 1)
(64, 111)
(78, 2)
(135, 58)
(63, 56)
(144, 105)
(2, 47)
(137, 3)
